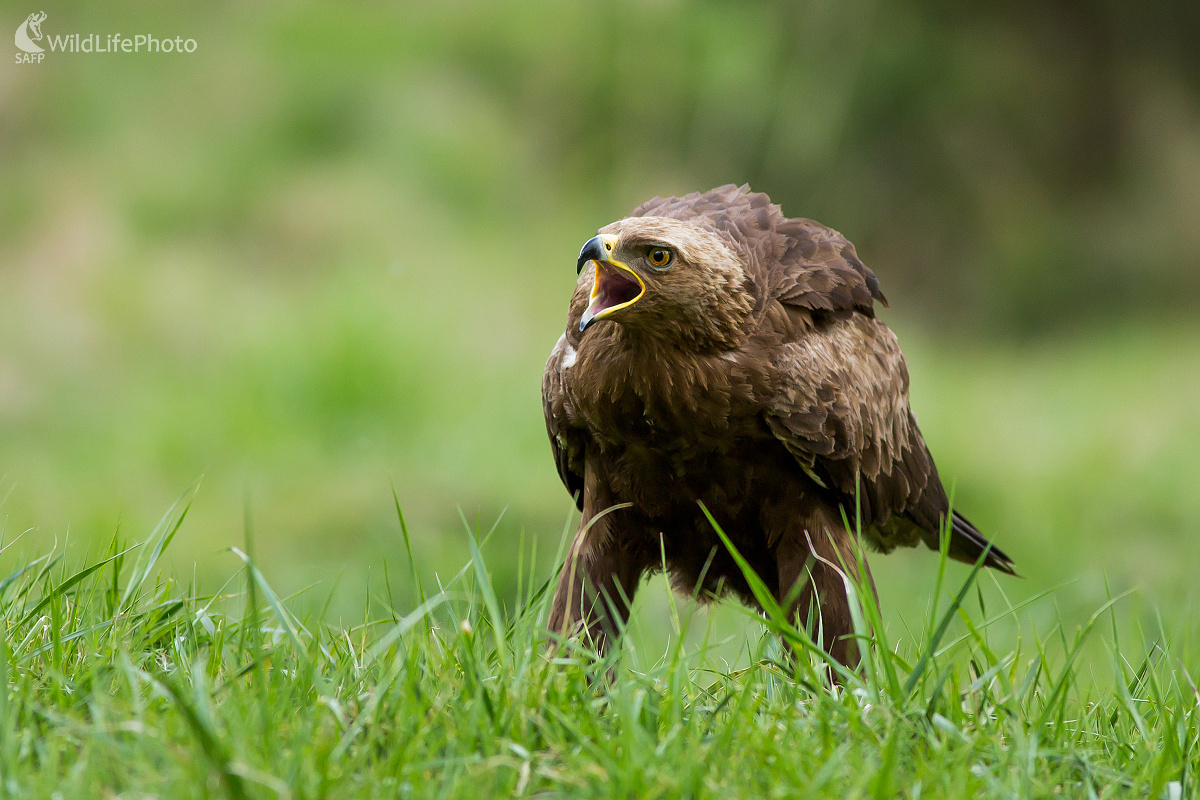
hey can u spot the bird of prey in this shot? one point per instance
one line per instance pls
(717, 352)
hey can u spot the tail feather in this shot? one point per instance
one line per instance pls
(968, 544)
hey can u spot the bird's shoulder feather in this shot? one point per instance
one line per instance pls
(816, 268)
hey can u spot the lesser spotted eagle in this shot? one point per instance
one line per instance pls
(718, 352)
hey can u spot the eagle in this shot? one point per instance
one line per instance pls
(720, 357)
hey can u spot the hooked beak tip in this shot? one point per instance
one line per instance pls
(595, 249)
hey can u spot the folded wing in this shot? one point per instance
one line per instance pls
(842, 406)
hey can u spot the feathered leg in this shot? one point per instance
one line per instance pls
(813, 554)
(600, 576)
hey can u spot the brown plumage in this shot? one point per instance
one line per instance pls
(718, 352)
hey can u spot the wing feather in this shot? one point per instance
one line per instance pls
(819, 270)
(568, 446)
(842, 409)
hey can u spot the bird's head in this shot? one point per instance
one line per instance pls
(673, 279)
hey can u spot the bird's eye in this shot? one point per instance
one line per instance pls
(659, 257)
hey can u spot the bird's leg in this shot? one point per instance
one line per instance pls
(812, 561)
(597, 584)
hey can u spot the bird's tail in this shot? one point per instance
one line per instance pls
(968, 544)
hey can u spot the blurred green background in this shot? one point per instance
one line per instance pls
(330, 250)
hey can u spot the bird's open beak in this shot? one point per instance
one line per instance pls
(615, 286)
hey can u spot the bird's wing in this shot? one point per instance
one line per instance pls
(818, 270)
(568, 446)
(842, 409)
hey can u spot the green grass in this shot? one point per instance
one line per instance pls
(119, 681)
